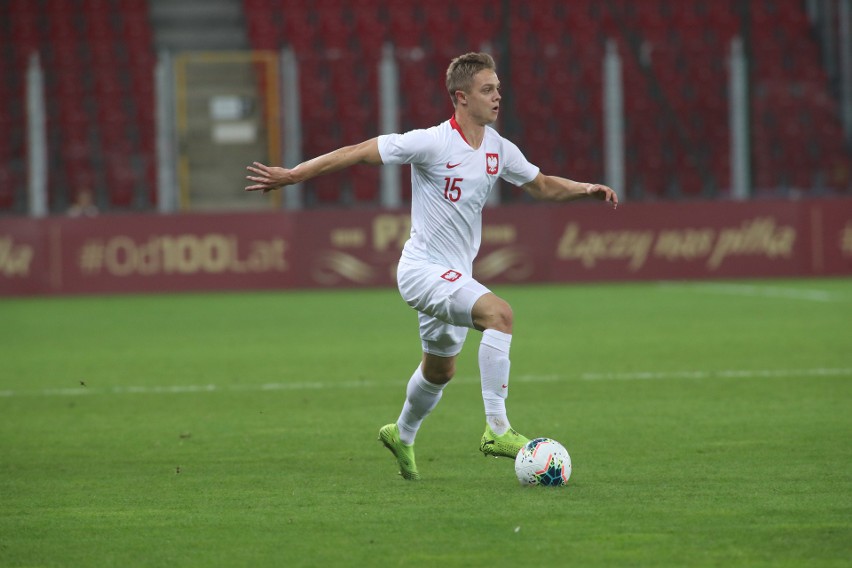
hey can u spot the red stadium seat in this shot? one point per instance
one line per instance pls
(365, 184)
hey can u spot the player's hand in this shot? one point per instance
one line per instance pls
(602, 193)
(267, 178)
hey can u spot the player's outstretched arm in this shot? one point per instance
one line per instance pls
(553, 188)
(267, 178)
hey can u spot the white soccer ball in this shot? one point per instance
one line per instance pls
(543, 462)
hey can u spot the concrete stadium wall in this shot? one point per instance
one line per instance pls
(360, 248)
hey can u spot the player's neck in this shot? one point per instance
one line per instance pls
(472, 131)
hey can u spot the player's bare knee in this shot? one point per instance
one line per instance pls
(438, 370)
(495, 314)
(439, 375)
(503, 321)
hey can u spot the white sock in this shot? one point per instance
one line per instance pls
(494, 367)
(421, 397)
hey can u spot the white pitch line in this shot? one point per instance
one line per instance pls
(725, 374)
(318, 385)
(810, 295)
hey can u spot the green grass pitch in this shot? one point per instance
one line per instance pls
(709, 424)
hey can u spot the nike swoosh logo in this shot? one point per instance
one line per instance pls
(451, 166)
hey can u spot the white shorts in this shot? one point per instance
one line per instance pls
(444, 298)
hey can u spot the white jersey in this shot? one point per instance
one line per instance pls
(450, 182)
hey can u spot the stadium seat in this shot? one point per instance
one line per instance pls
(406, 32)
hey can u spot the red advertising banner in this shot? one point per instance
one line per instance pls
(346, 248)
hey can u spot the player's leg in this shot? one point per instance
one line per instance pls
(423, 393)
(441, 344)
(493, 316)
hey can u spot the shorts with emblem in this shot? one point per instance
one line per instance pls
(444, 298)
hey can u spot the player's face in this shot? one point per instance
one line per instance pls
(484, 97)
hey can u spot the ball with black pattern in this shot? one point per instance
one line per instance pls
(543, 461)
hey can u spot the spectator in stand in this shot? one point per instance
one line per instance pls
(84, 205)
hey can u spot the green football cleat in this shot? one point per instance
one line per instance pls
(508, 445)
(389, 436)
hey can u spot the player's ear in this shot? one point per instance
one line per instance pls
(461, 97)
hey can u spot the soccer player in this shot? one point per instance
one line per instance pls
(454, 166)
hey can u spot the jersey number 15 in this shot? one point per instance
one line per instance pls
(452, 191)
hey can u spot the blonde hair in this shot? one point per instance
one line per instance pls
(463, 68)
